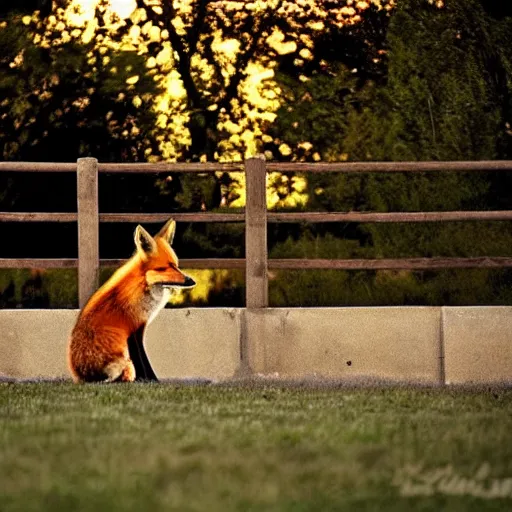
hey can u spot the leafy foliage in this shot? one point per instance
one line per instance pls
(66, 98)
(445, 96)
(297, 80)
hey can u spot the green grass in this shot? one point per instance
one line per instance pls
(221, 448)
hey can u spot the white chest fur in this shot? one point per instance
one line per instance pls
(156, 300)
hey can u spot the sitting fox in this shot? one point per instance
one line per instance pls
(107, 341)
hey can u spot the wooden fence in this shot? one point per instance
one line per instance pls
(256, 217)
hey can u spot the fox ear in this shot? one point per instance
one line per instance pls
(144, 241)
(167, 232)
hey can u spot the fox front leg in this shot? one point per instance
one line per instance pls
(143, 369)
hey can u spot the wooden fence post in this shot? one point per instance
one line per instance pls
(88, 228)
(252, 347)
(256, 278)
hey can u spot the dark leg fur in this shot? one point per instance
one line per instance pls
(143, 369)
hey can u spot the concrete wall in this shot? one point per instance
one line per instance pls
(477, 344)
(180, 343)
(384, 343)
(402, 344)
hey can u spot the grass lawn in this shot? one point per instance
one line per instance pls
(236, 447)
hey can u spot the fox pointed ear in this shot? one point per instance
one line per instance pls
(167, 232)
(144, 241)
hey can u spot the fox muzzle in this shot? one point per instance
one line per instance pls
(188, 283)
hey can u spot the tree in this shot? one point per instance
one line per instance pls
(213, 62)
(67, 98)
(444, 96)
(226, 53)
(63, 98)
(299, 80)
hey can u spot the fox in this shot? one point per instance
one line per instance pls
(107, 341)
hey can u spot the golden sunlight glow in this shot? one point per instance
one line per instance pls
(206, 281)
(242, 129)
(85, 12)
(123, 8)
(277, 42)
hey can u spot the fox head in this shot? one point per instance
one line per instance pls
(160, 262)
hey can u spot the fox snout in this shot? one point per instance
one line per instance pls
(173, 279)
(188, 283)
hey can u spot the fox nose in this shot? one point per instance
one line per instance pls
(189, 282)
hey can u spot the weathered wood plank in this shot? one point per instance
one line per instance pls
(391, 264)
(37, 217)
(122, 217)
(206, 263)
(388, 217)
(256, 280)
(178, 217)
(203, 263)
(88, 229)
(38, 263)
(162, 167)
(273, 217)
(289, 264)
(37, 167)
(351, 167)
(141, 167)
(348, 167)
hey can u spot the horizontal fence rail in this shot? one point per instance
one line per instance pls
(362, 217)
(224, 263)
(288, 264)
(414, 167)
(291, 217)
(391, 264)
(124, 217)
(142, 167)
(346, 167)
(256, 263)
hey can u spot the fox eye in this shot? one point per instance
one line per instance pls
(160, 269)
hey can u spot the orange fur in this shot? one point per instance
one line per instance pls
(125, 304)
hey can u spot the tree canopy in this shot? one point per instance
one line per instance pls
(296, 80)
